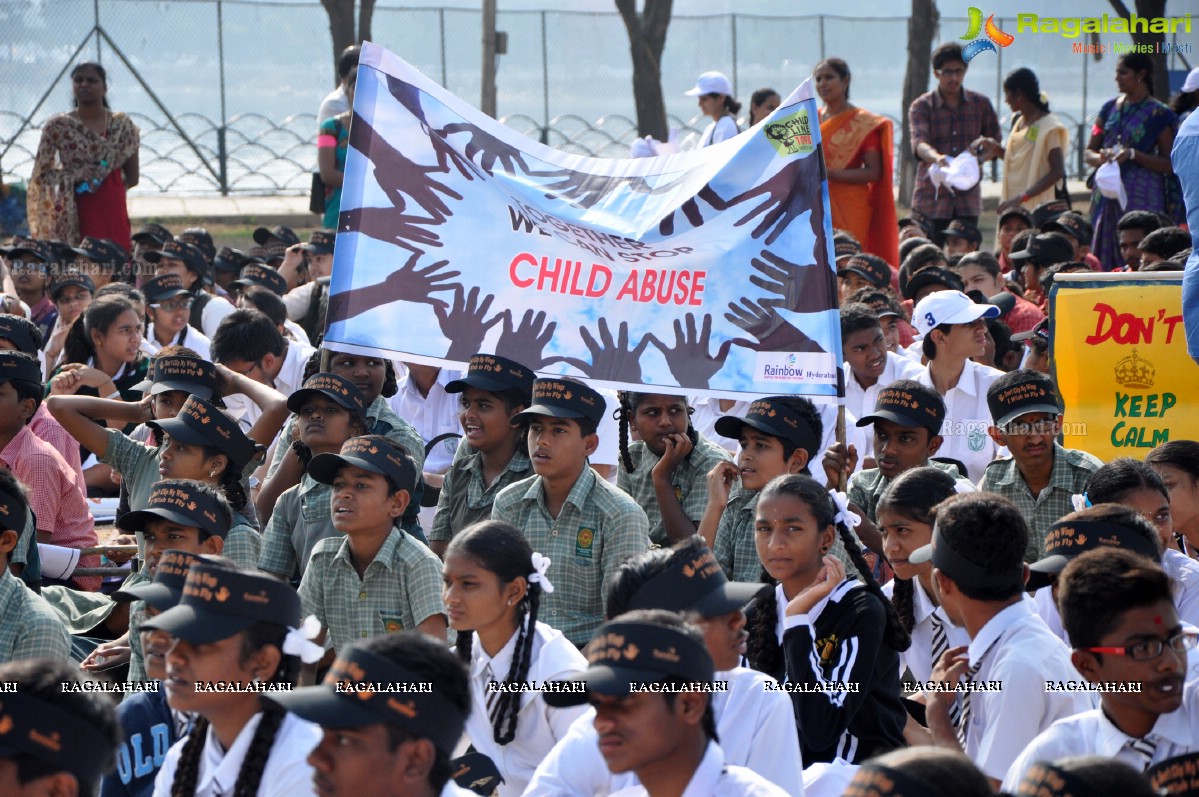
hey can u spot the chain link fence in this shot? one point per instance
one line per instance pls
(225, 91)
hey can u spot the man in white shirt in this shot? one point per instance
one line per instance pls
(250, 344)
(1119, 611)
(650, 682)
(336, 101)
(756, 726)
(979, 572)
(386, 743)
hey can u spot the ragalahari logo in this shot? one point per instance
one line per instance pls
(994, 35)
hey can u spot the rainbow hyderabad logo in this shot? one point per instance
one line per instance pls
(994, 35)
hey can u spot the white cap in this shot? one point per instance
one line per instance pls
(711, 83)
(949, 307)
(1192, 81)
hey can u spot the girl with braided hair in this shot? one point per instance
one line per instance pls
(666, 469)
(493, 588)
(831, 641)
(238, 638)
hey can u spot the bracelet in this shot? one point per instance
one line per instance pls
(1023, 197)
(115, 393)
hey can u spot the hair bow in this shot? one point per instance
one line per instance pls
(844, 515)
(540, 565)
(298, 641)
(1080, 501)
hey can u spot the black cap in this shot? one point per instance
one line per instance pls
(696, 584)
(1072, 223)
(1046, 249)
(963, 229)
(60, 740)
(100, 250)
(347, 699)
(21, 332)
(373, 453)
(477, 773)
(12, 513)
(493, 373)
(933, 275)
(964, 570)
(63, 281)
(871, 268)
(155, 233)
(771, 416)
(1017, 212)
(906, 408)
(873, 779)
(229, 259)
(200, 423)
(1175, 776)
(218, 603)
(1048, 211)
(564, 398)
(845, 245)
(178, 501)
(321, 242)
(199, 238)
(167, 587)
(19, 366)
(192, 257)
(275, 252)
(180, 372)
(1041, 330)
(920, 221)
(1030, 392)
(1066, 539)
(264, 275)
(29, 247)
(623, 653)
(163, 287)
(1004, 300)
(883, 303)
(338, 388)
(262, 236)
(256, 254)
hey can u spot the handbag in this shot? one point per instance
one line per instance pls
(316, 199)
(1062, 192)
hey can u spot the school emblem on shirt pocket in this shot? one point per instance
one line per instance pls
(583, 541)
(678, 493)
(825, 648)
(976, 438)
(392, 625)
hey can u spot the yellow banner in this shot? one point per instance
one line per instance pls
(1120, 361)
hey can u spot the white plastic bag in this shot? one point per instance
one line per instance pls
(961, 174)
(1110, 183)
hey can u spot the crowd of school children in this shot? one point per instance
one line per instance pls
(355, 577)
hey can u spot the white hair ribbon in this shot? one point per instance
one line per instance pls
(844, 515)
(540, 565)
(298, 641)
(1080, 501)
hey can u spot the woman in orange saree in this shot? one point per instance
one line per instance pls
(857, 152)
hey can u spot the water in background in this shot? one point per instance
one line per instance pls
(566, 76)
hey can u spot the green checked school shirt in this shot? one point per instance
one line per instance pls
(29, 627)
(291, 533)
(465, 499)
(598, 528)
(1071, 471)
(734, 545)
(690, 482)
(401, 589)
(866, 487)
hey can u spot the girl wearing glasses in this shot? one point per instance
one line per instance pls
(168, 307)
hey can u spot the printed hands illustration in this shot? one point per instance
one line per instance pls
(464, 323)
(399, 176)
(406, 284)
(527, 341)
(610, 358)
(690, 210)
(784, 198)
(488, 147)
(772, 332)
(689, 361)
(803, 289)
(586, 190)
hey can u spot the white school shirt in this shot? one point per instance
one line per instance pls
(431, 416)
(289, 380)
(538, 727)
(287, 772)
(213, 313)
(755, 726)
(1018, 650)
(190, 337)
(721, 130)
(1184, 584)
(967, 418)
(607, 452)
(829, 779)
(1092, 733)
(713, 778)
(707, 410)
(919, 656)
(861, 400)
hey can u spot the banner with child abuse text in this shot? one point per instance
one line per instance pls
(1121, 363)
(707, 272)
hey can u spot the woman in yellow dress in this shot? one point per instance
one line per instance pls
(1034, 158)
(858, 154)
